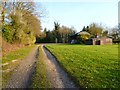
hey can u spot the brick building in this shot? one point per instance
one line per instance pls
(99, 41)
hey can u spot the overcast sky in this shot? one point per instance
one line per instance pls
(79, 13)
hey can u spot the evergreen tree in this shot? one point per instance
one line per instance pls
(84, 29)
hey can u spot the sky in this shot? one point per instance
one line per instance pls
(79, 13)
(119, 12)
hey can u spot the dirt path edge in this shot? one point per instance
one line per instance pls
(62, 71)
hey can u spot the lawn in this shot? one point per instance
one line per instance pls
(90, 66)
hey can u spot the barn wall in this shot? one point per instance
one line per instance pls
(104, 41)
(99, 41)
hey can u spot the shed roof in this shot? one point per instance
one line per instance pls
(101, 38)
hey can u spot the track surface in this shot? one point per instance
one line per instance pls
(22, 74)
(57, 76)
(21, 77)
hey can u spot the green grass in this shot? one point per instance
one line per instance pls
(39, 79)
(18, 54)
(90, 66)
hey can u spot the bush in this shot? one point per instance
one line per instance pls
(28, 39)
(7, 33)
(22, 38)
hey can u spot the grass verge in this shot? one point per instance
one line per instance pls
(39, 79)
(18, 54)
(89, 66)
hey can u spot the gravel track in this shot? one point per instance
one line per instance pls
(57, 76)
(22, 74)
(21, 77)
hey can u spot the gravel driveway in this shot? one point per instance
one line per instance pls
(21, 77)
(22, 74)
(57, 76)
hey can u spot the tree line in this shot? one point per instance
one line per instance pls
(63, 34)
(60, 34)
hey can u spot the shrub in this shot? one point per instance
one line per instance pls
(7, 33)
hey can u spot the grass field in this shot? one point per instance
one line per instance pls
(88, 65)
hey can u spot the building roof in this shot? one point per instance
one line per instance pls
(101, 37)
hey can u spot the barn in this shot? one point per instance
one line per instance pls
(99, 41)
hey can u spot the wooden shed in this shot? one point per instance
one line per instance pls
(99, 41)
